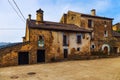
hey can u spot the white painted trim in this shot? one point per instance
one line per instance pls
(92, 44)
(106, 45)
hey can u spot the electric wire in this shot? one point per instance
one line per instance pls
(19, 9)
(15, 10)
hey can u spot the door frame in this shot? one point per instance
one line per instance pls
(37, 56)
(28, 55)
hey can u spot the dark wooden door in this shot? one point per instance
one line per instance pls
(23, 58)
(65, 53)
(41, 56)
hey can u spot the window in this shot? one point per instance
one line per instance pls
(65, 40)
(105, 22)
(78, 49)
(79, 39)
(72, 18)
(105, 33)
(89, 23)
(93, 46)
(40, 41)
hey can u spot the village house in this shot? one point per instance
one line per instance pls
(46, 41)
(116, 27)
(102, 37)
(76, 34)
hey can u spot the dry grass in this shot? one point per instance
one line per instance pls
(101, 69)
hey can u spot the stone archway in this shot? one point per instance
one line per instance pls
(106, 48)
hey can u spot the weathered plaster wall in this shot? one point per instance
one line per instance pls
(99, 26)
(54, 42)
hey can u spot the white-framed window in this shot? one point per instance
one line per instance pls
(105, 33)
(92, 46)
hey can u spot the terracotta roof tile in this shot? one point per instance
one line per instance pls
(88, 15)
(55, 26)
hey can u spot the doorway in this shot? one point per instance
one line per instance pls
(65, 53)
(115, 50)
(23, 58)
(106, 49)
(40, 56)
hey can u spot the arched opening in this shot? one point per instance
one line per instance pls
(40, 41)
(105, 50)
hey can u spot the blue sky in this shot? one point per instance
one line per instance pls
(12, 28)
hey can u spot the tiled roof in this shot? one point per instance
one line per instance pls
(55, 26)
(116, 34)
(88, 15)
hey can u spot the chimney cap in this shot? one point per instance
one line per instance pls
(29, 16)
(93, 10)
(40, 11)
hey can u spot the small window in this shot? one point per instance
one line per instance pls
(105, 33)
(40, 37)
(72, 18)
(78, 49)
(105, 22)
(79, 39)
(65, 40)
(93, 46)
(89, 23)
(40, 41)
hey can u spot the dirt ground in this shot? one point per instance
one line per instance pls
(101, 69)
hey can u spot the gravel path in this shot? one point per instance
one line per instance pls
(101, 69)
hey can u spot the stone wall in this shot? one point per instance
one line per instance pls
(99, 26)
(54, 42)
(9, 55)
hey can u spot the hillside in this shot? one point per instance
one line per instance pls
(3, 43)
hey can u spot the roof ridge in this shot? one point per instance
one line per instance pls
(90, 15)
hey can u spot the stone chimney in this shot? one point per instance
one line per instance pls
(29, 17)
(39, 16)
(93, 12)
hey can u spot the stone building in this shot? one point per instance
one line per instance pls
(116, 27)
(46, 41)
(102, 39)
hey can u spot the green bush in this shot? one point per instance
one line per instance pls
(118, 31)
